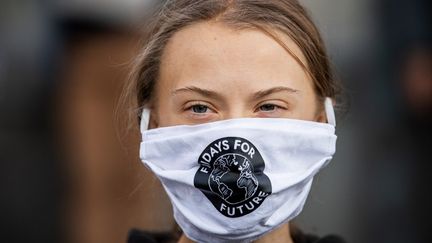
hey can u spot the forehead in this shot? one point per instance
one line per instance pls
(211, 51)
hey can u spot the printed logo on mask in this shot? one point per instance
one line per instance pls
(231, 175)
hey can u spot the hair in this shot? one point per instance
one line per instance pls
(269, 16)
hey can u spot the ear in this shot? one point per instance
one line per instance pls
(321, 116)
(153, 121)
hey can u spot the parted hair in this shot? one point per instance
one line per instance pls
(285, 16)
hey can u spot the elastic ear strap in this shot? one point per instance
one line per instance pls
(328, 106)
(145, 118)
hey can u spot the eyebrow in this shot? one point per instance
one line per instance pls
(194, 89)
(212, 94)
(262, 93)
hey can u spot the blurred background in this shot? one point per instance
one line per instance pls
(67, 174)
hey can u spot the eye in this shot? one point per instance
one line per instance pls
(268, 107)
(199, 108)
(199, 111)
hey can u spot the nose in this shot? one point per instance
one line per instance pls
(237, 111)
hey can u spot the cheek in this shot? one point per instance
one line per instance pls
(170, 122)
(166, 117)
(306, 109)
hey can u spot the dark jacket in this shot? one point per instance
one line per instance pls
(139, 236)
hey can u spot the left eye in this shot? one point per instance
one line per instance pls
(267, 107)
(199, 108)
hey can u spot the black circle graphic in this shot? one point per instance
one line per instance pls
(231, 175)
(232, 178)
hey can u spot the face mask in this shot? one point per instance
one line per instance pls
(235, 180)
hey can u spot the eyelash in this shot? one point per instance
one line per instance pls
(269, 104)
(278, 106)
(196, 104)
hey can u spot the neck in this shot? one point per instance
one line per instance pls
(279, 235)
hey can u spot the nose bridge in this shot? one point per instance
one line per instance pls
(236, 109)
(236, 100)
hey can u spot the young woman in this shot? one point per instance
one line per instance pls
(235, 98)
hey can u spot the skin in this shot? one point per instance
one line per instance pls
(211, 72)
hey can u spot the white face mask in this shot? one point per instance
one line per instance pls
(235, 180)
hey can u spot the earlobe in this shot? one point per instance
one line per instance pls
(153, 120)
(321, 117)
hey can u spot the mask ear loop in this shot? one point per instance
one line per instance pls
(145, 119)
(328, 106)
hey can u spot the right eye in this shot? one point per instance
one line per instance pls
(200, 109)
(268, 107)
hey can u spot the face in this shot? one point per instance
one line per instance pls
(211, 72)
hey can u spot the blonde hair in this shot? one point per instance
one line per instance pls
(286, 16)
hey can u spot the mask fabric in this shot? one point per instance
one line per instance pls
(235, 180)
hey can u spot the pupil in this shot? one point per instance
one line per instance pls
(268, 107)
(199, 108)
